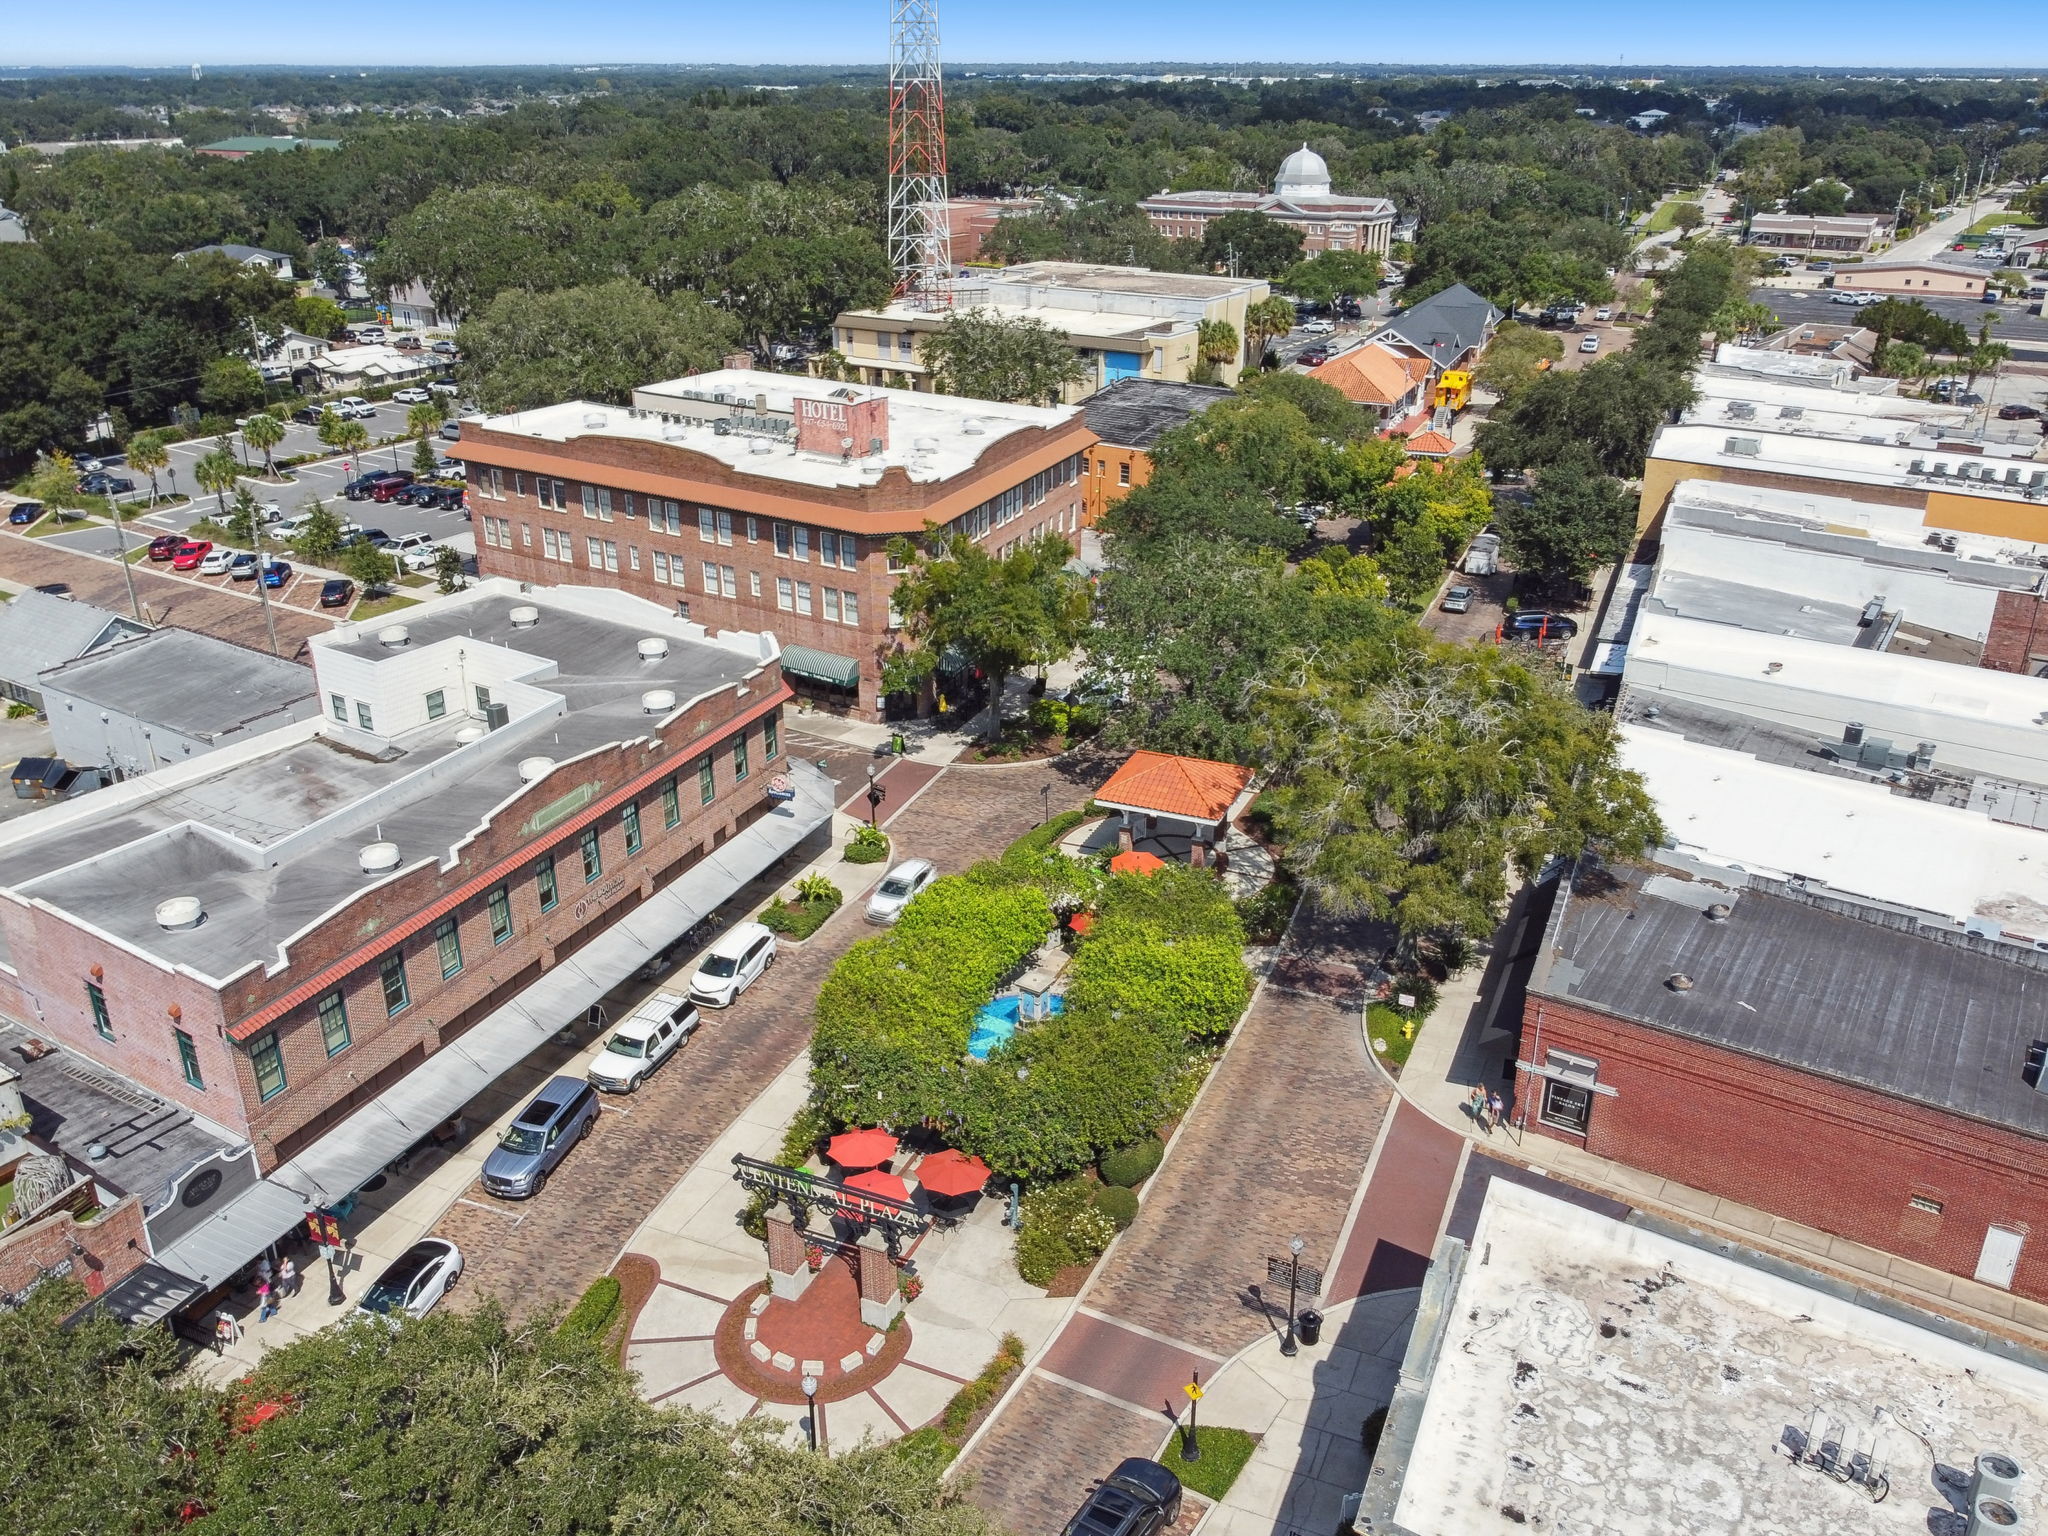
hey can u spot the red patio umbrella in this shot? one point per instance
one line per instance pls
(861, 1149)
(952, 1173)
(1136, 862)
(886, 1184)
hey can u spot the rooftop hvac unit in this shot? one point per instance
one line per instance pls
(1873, 751)
(1923, 755)
(1745, 447)
(1872, 612)
(1741, 410)
(1997, 1476)
(497, 716)
(2012, 476)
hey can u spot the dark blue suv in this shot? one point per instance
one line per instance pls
(560, 1115)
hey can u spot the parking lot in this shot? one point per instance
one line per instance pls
(324, 481)
(2026, 334)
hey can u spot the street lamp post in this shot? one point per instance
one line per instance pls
(1191, 1448)
(810, 1386)
(1294, 1246)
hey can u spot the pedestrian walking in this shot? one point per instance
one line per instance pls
(287, 1277)
(1497, 1108)
(263, 1269)
(265, 1301)
(1475, 1106)
(223, 1332)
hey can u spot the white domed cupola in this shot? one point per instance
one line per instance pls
(1303, 174)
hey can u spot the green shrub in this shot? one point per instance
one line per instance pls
(1058, 1226)
(926, 1447)
(817, 899)
(867, 845)
(1265, 913)
(594, 1310)
(1119, 1205)
(801, 1140)
(819, 888)
(986, 1387)
(1040, 839)
(1128, 1166)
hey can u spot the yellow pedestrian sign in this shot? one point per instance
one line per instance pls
(1194, 1391)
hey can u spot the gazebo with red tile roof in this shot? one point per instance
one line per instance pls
(1197, 795)
(1432, 445)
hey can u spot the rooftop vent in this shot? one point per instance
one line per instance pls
(924, 444)
(1996, 1476)
(1989, 1516)
(180, 913)
(595, 420)
(972, 427)
(760, 445)
(1678, 982)
(524, 617)
(657, 701)
(378, 858)
(392, 636)
(1718, 912)
(531, 768)
(653, 648)
(468, 734)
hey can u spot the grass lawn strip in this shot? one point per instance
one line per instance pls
(1224, 1453)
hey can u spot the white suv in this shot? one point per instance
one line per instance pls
(732, 965)
(651, 1034)
(354, 408)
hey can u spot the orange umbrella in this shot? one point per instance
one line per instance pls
(884, 1184)
(1136, 862)
(861, 1149)
(952, 1173)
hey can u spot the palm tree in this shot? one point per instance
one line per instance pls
(263, 432)
(217, 471)
(351, 437)
(148, 453)
(1269, 319)
(247, 523)
(1215, 346)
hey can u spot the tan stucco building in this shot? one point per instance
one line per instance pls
(1919, 278)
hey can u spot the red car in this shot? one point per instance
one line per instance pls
(190, 553)
(387, 490)
(167, 546)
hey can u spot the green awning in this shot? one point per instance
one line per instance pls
(821, 666)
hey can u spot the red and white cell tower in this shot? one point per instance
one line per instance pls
(920, 245)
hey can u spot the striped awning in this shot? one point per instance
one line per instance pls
(821, 666)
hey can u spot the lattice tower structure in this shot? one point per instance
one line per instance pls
(920, 244)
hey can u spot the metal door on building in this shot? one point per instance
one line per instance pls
(2001, 1256)
(1121, 365)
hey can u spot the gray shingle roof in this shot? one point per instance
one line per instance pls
(1447, 324)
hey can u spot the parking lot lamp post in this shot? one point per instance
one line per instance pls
(810, 1386)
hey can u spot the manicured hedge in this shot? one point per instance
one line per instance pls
(1119, 1205)
(1134, 1164)
(594, 1310)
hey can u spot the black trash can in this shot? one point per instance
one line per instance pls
(1308, 1327)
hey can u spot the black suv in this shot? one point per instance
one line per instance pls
(1140, 1498)
(1536, 624)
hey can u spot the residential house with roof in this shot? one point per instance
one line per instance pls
(1301, 199)
(39, 630)
(1390, 384)
(1127, 419)
(1449, 329)
(276, 263)
(368, 366)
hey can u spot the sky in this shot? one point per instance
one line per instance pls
(1594, 32)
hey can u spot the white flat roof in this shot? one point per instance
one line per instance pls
(1599, 1377)
(1886, 528)
(1811, 397)
(931, 437)
(1065, 319)
(1973, 694)
(1855, 463)
(1858, 837)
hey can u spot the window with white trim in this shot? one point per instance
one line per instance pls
(710, 577)
(803, 597)
(544, 492)
(785, 596)
(611, 554)
(633, 557)
(590, 501)
(596, 551)
(660, 564)
(753, 583)
(849, 607)
(728, 581)
(830, 598)
(707, 525)
(801, 537)
(782, 542)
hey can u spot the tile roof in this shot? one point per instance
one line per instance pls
(1369, 375)
(1175, 786)
(1432, 443)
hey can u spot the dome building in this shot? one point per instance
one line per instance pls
(1301, 197)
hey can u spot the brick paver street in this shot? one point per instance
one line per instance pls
(1275, 1148)
(547, 1250)
(227, 615)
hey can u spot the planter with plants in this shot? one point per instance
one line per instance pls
(816, 899)
(867, 845)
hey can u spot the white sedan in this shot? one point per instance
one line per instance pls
(412, 1284)
(422, 557)
(410, 396)
(220, 560)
